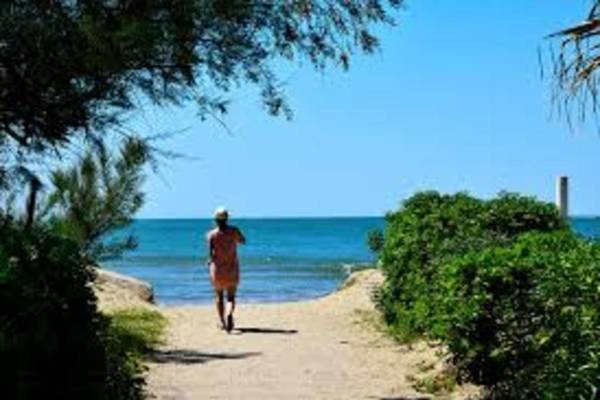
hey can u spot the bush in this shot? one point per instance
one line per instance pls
(53, 341)
(49, 342)
(375, 240)
(510, 215)
(511, 291)
(431, 228)
(524, 320)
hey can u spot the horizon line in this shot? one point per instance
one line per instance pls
(272, 217)
(313, 217)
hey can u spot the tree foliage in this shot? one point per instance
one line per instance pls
(576, 66)
(71, 67)
(97, 196)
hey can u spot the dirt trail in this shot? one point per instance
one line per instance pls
(321, 349)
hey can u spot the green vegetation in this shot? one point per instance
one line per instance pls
(53, 341)
(430, 229)
(104, 59)
(525, 319)
(97, 196)
(49, 327)
(375, 240)
(137, 329)
(438, 384)
(504, 284)
(71, 73)
(575, 69)
(128, 337)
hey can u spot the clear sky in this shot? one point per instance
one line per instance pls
(453, 102)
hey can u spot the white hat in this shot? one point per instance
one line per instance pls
(221, 213)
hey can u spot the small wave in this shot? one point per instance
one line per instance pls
(349, 268)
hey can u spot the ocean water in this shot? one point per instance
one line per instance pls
(286, 259)
(586, 226)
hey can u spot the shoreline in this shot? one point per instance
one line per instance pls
(375, 278)
(156, 302)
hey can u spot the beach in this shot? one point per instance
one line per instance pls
(405, 228)
(328, 348)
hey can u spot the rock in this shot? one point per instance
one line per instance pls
(117, 291)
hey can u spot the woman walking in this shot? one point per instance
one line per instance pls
(224, 264)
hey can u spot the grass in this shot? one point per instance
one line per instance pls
(129, 336)
(440, 383)
(370, 319)
(137, 330)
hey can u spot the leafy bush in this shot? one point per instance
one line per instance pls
(375, 240)
(525, 320)
(431, 228)
(510, 215)
(49, 342)
(511, 291)
(53, 341)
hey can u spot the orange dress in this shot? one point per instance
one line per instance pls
(224, 267)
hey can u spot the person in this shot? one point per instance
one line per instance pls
(224, 264)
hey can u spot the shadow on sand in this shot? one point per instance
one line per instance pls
(185, 356)
(265, 330)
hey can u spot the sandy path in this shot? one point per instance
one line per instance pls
(321, 349)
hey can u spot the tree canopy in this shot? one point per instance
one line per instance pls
(70, 68)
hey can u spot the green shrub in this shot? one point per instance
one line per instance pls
(53, 341)
(510, 215)
(431, 228)
(49, 342)
(525, 320)
(511, 291)
(375, 240)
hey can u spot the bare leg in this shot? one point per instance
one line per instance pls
(231, 301)
(220, 306)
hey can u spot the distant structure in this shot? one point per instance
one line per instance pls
(562, 196)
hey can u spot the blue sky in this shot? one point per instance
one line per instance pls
(453, 102)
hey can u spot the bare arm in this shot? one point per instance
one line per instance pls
(210, 251)
(241, 237)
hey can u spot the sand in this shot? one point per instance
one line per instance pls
(328, 348)
(116, 291)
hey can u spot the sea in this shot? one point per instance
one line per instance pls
(285, 259)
